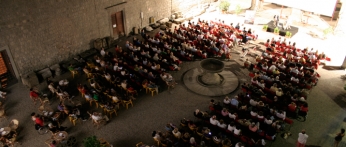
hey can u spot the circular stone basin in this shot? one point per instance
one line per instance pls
(211, 65)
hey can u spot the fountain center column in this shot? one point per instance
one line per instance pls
(211, 78)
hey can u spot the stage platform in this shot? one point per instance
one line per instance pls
(271, 28)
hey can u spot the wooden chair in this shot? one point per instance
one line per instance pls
(117, 104)
(200, 135)
(91, 65)
(163, 145)
(127, 103)
(97, 123)
(104, 143)
(131, 92)
(139, 144)
(216, 143)
(74, 72)
(152, 91)
(2, 113)
(14, 125)
(102, 107)
(96, 103)
(74, 120)
(49, 141)
(185, 140)
(110, 112)
(157, 142)
(146, 88)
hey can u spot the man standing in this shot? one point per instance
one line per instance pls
(302, 138)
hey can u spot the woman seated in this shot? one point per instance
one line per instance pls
(157, 135)
(186, 136)
(254, 127)
(281, 114)
(237, 130)
(226, 142)
(176, 133)
(51, 87)
(227, 100)
(260, 115)
(217, 139)
(193, 143)
(222, 124)
(98, 117)
(244, 122)
(213, 120)
(231, 127)
(253, 113)
(224, 112)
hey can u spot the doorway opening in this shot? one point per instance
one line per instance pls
(118, 24)
(7, 74)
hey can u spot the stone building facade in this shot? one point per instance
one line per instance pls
(41, 33)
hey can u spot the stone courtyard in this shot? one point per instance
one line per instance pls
(327, 101)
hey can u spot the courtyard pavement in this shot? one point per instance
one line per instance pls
(327, 104)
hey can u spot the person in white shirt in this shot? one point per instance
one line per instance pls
(102, 52)
(294, 79)
(226, 100)
(253, 102)
(237, 130)
(272, 67)
(116, 67)
(261, 84)
(213, 120)
(282, 66)
(253, 113)
(295, 70)
(97, 117)
(268, 121)
(281, 114)
(239, 144)
(221, 124)
(176, 133)
(231, 127)
(302, 138)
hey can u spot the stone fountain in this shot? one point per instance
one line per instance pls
(210, 78)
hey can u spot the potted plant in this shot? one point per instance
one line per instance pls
(276, 31)
(92, 141)
(265, 28)
(237, 9)
(327, 31)
(224, 6)
(288, 34)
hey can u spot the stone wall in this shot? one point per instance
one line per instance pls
(41, 33)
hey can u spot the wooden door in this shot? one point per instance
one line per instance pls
(118, 24)
(7, 75)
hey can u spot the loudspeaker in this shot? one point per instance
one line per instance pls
(344, 64)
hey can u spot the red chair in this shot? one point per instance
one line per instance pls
(269, 138)
(236, 136)
(328, 59)
(288, 121)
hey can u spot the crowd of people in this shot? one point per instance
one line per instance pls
(280, 82)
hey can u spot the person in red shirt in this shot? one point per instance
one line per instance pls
(34, 95)
(292, 107)
(39, 121)
(303, 111)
